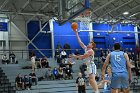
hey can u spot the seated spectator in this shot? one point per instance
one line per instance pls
(55, 73)
(49, 74)
(83, 69)
(58, 46)
(68, 72)
(59, 59)
(60, 73)
(67, 48)
(107, 52)
(77, 52)
(103, 57)
(70, 62)
(5, 59)
(44, 62)
(62, 64)
(63, 54)
(57, 54)
(19, 82)
(12, 57)
(27, 82)
(33, 77)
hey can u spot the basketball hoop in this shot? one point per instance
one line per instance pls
(85, 19)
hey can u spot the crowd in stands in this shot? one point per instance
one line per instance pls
(39, 62)
(59, 73)
(11, 59)
(64, 70)
(25, 81)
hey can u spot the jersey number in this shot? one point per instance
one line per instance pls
(117, 58)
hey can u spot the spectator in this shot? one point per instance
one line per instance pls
(19, 82)
(57, 54)
(59, 60)
(103, 57)
(137, 51)
(55, 73)
(81, 84)
(61, 73)
(58, 46)
(101, 52)
(33, 77)
(70, 62)
(5, 59)
(31, 53)
(62, 64)
(77, 52)
(33, 58)
(133, 56)
(107, 52)
(83, 69)
(12, 57)
(27, 82)
(49, 74)
(68, 72)
(67, 48)
(63, 54)
(44, 62)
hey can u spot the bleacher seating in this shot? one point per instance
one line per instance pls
(54, 86)
(5, 85)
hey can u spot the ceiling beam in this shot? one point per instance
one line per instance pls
(4, 4)
(21, 13)
(113, 10)
(26, 3)
(128, 11)
(43, 7)
(94, 10)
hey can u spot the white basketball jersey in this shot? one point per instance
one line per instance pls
(90, 59)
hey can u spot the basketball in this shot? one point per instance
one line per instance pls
(74, 26)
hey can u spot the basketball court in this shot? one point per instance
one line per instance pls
(42, 27)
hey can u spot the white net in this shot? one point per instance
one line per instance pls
(85, 20)
(85, 23)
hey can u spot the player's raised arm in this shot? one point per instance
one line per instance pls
(79, 40)
(74, 26)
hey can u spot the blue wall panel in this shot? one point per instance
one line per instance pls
(64, 34)
(125, 39)
(3, 26)
(42, 41)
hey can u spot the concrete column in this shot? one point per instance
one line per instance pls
(90, 33)
(136, 35)
(52, 37)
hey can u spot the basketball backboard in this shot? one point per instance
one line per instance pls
(69, 9)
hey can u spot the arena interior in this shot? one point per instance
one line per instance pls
(36, 40)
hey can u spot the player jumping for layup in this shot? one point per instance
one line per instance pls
(89, 56)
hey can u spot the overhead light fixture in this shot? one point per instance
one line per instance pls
(126, 13)
(98, 34)
(128, 34)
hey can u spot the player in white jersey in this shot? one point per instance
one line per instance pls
(89, 57)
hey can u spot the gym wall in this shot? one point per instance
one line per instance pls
(106, 40)
(42, 41)
(64, 34)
